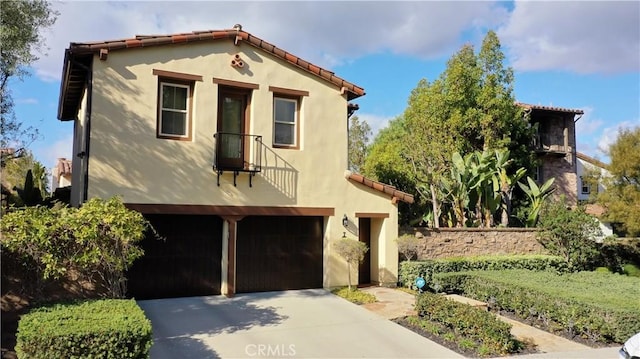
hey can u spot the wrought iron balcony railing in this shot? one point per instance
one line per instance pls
(237, 152)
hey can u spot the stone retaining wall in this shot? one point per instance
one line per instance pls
(463, 242)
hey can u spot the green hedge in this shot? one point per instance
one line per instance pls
(409, 271)
(113, 328)
(469, 322)
(596, 305)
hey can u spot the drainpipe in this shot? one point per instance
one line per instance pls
(85, 154)
(351, 109)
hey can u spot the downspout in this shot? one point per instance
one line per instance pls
(351, 109)
(85, 154)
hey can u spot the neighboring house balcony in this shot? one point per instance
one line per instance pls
(550, 144)
(237, 152)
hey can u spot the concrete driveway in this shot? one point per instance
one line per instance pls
(297, 324)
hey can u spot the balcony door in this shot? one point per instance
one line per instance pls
(232, 124)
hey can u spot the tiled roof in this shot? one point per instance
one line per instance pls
(379, 186)
(82, 50)
(550, 108)
(591, 160)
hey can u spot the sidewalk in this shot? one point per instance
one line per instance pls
(393, 303)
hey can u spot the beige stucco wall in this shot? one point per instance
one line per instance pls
(128, 160)
(79, 163)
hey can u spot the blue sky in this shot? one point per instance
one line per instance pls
(576, 54)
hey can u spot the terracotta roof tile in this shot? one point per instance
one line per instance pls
(381, 187)
(550, 108)
(78, 49)
(63, 167)
(595, 209)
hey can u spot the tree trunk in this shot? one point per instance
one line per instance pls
(436, 209)
(349, 274)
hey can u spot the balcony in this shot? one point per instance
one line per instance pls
(236, 152)
(545, 144)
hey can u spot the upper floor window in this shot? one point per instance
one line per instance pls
(175, 104)
(174, 110)
(286, 117)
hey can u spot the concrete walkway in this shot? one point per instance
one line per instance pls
(299, 324)
(394, 303)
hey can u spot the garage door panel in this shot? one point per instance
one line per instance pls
(184, 262)
(279, 253)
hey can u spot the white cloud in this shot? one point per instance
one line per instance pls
(588, 124)
(48, 154)
(376, 122)
(579, 36)
(27, 101)
(326, 33)
(610, 134)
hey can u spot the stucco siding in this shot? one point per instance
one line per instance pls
(127, 158)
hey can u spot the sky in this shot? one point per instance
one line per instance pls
(573, 54)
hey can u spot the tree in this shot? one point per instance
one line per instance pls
(569, 233)
(359, 133)
(352, 251)
(621, 197)
(387, 162)
(22, 21)
(408, 246)
(470, 107)
(16, 184)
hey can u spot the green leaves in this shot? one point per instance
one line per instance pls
(352, 251)
(98, 238)
(537, 195)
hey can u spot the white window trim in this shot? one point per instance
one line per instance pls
(583, 186)
(186, 112)
(295, 124)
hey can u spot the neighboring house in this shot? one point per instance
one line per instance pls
(61, 174)
(588, 165)
(555, 144)
(236, 151)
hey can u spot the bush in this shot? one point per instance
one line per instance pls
(598, 306)
(92, 329)
(631, 270)
(96, 240)
(468, 322)
(354, 295)
(570, 234)
(615, 253)
(409, 271)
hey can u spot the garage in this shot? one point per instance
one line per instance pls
(279, 253)
(185, 262)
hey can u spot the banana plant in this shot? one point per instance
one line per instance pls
(506, 183)
(537, 196)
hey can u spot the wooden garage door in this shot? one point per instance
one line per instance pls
(278, 253)
(186, 263)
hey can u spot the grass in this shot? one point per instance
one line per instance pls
(354, 295)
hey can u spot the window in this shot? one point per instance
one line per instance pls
(586, 188)
(174, 110)
(286, 116)
(285, 113)
(175, 104)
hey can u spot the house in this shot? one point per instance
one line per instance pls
(555, 145)
(236, 152)
(586, 166)
(61, 174)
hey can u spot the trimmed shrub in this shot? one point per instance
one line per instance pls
(599, 306)
(409, 271)
(468, 322)
(113, 328)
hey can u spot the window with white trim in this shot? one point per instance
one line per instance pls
(174, 110)
(285, 120)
